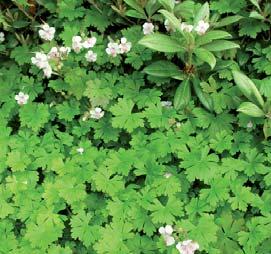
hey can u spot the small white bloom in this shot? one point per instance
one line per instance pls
(202, 27)
(21, 98)
(124, 46)
(249, 124)
(53, 53)
(40, 60)
(47, 71)
(112, 49)
(187, 28)
(80, 150)
(167, 175)
(169, 27)
(178, 125)
(89, 42)
(2, 37)
(166, 233)
(148, 28)
(64, 51)
(96, 113)
(77, 43)
(166, 104)
(169, 240)
(187, 247)
(46, 32)
(91, 56)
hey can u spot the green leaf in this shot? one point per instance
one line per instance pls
(172, 19)
(220, 45)
(82, 230)
(228, 21)
(162, 68)
(247, 87)
(21, 54)
(203, 13)
(41, 113)
(250, 109)
(134, 4)
(182, 95)
(123, 116)
(162, 43)
(211, 36)
(205, 56)
(168, 4)
(204, 98)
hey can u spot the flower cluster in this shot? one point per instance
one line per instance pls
(78, 43)
(113, 48)
(2, 37)
(41, 60)
(46, 32)
(200, 28)
(166, 233)
(21, 98)
(184, 247)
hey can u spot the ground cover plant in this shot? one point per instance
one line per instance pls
(135, 126)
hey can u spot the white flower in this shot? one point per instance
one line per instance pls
(91, 56)
(46, 32)
(187, 247)
(202, 27)
(166, 104)
(96, 113)
(64, 51)
(2, 37)
(249, 124)
(169, 27)
(89, 42)
(80, 150)
(47, 71)
(77, 43)
(187, 28)
(112, 49)
(21, 98)
(124, 45)
(40, 60)
(166, 234)
(53, 53)
(148, 28)
(167, 175)
(178, 125)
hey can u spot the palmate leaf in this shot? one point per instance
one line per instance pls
(123, 116)
(199, 164)
(81, 229)
(41, 113)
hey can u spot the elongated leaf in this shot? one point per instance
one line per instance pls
(162, 69)
(203, 13)
(247, 87)
(135, 14)
(228, 21)
(250, 109)
(135, 5)
(205, 56)
(211, 36)
(172, 19)
(162, 43)
(167, 4)
(204, 98)
(220, 45)
(182, 95)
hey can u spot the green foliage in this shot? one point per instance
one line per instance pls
(173, 130)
